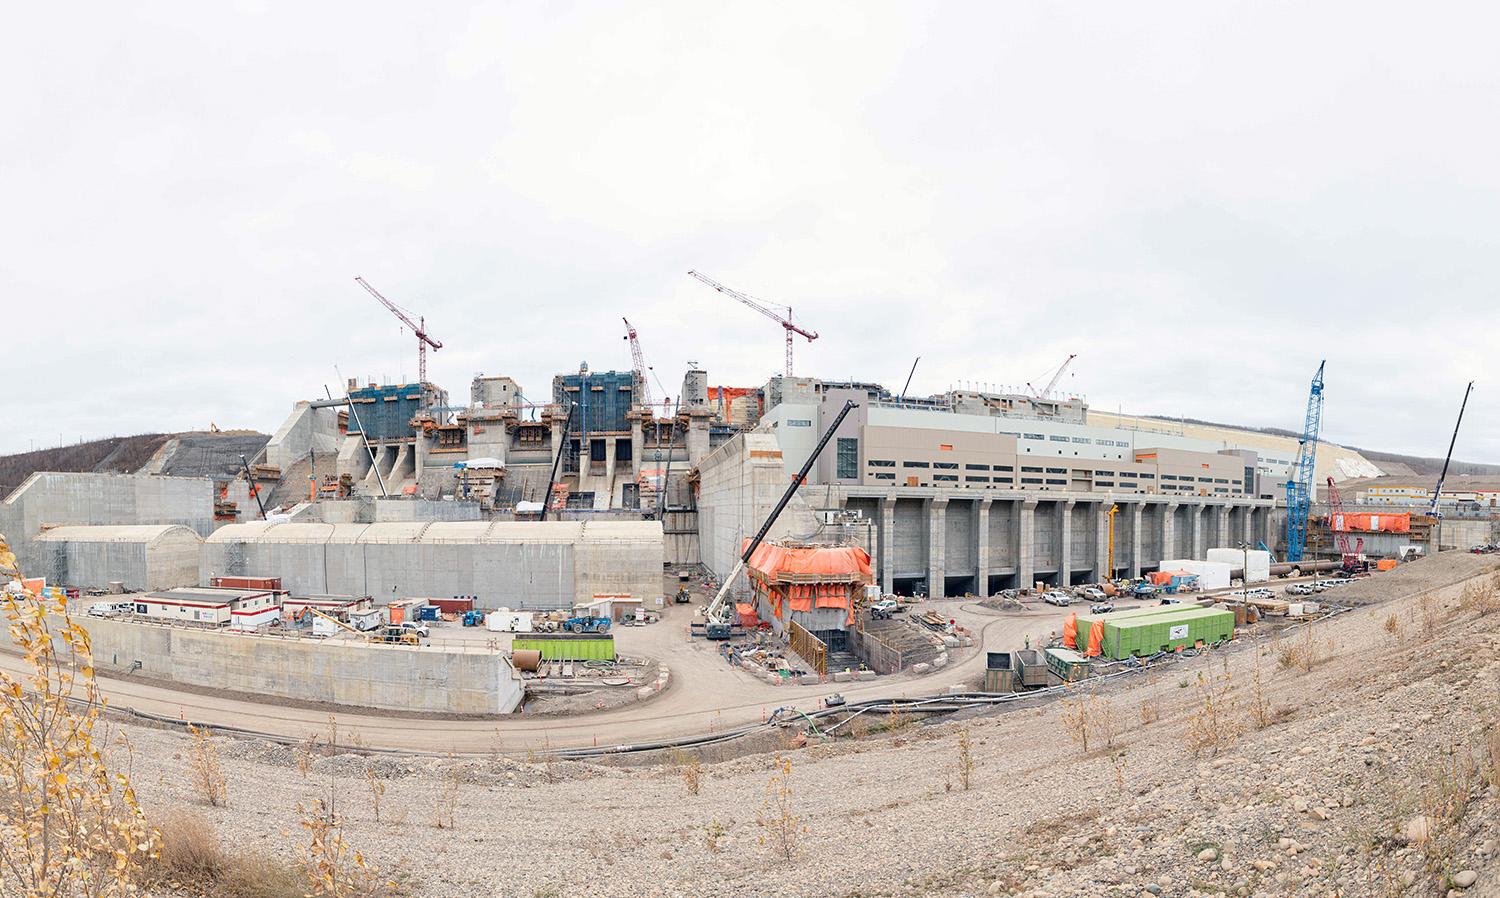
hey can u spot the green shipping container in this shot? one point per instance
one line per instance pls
(1148, 634)
(561, 647)
(1085, 621)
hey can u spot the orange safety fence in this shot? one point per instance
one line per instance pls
(1096, 640)
(1070, 631)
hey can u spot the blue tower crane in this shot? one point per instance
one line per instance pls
(1299, 486)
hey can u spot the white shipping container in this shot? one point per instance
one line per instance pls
(1259, 562)
(506, 621)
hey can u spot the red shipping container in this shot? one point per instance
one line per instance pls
(452, 606)
(271, 583)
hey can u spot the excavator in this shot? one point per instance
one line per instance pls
(720, 620)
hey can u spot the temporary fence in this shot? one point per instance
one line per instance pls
(812, 649)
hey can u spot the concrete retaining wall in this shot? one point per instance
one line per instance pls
(48, 498)
(404, 678)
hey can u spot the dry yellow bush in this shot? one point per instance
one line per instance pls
(335, 870)
(779, 823)
(966, 762)
(70, 827)
(203, 764)
(1212, 726)
(690, 769)
(191, 861)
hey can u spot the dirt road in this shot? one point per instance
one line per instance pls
(706, 695)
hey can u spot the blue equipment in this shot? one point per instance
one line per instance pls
(1299, 487)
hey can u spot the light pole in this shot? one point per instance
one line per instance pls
(1245, 573)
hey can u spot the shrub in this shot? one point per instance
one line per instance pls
(69, 825)
(779, 823)
(1211, 725)
(966, 761)
(191, 860)
(690, 769)
(206, 772)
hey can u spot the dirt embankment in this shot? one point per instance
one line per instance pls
(1356, 760)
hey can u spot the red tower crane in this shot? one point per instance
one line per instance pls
(1348, 558)
(638, 360)
(784, 320)
(418, 327)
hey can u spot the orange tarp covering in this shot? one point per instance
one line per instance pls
(1096, 640)
(1070, 631)
(835, 561)
(746, 611)
(1372, 523)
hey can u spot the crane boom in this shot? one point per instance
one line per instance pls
(1336, 522)
(418, 327)
(638, 360)
(1437, 491)
(1299, 486)
(718, 623)
(1057, 376)
(784, 320)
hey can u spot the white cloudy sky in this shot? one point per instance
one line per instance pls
(1200, 199)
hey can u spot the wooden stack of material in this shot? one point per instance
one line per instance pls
(1269, 606)
(480, 484)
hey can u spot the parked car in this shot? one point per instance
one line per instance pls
(419, 630)
(1056, 597)
(1260, 592)
(1299, 589)
(1101, 608)
(885, 609)
(1093, 594)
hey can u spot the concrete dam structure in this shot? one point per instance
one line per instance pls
(530, 565)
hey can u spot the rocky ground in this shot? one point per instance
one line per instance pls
(1352, 758)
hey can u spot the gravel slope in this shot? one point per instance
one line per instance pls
(1387, 727)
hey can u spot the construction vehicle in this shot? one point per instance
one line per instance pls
(720, 623)
(1351, 560)
(473, 618)
(1299, 486)
(589, 624)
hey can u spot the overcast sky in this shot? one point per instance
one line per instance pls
(1201, 200)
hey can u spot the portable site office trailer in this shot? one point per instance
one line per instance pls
(1149, 634)
(213, 606)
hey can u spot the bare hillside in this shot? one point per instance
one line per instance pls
(121, 455)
